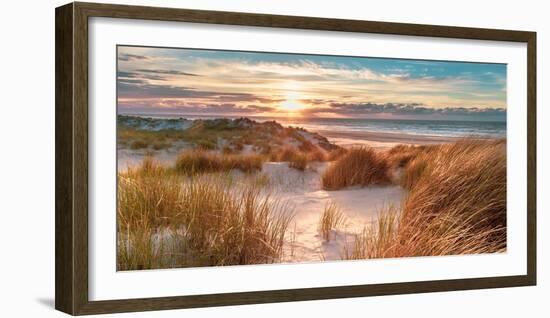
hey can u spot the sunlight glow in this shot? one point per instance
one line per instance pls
(291, 105)
(292, 99)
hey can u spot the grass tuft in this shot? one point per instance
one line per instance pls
(336, 154)
(375, 240)
(400, 155)
(317, 154)
(299, 162)
(331, 219)
(198, 161)
(359, 166)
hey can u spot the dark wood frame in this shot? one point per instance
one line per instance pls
(71, 157)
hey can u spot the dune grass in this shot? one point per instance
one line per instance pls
(199, 161)
(317, 154)
(399, 156)
(299, 161)
(336, 154)
(359, 166)
(231, 227)
(373, 241)
(136, 139)
(456, 204)
(282, 154)
(413, 170)
(166, 220)
(147, 200)
(331, 219)
(298, 158)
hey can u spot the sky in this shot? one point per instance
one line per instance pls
(234, 83)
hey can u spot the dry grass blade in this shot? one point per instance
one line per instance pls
(376, 239)
(359, 166)
(330, 220)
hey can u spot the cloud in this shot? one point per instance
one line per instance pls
(132, 81)
(167, 72)
(145, 90)
(125, 75)
(415, 109)
(131, 57)
(187, 107)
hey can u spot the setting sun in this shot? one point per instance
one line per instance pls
(291, 105)
(291, 102)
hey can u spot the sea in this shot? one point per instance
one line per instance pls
(424, 127)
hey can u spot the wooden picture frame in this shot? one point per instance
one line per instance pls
(71, 122)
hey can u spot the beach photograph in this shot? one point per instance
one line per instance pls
(245, 158)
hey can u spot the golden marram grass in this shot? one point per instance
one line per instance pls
(456, 204)
(166, 220)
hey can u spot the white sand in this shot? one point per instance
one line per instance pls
(129, 157)
(303, 189)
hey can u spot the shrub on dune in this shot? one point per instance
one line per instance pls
(159, 145)
(226, 150)
(359, 166)
(138, 144)
(336, 153)
(317, 154)
(401, 155)
(245, 163)
(296, 158)
(299, 161)
(285, 154)
(307, 146)
(197, 161)
(139, 139)
(192, 161)
(238, 145)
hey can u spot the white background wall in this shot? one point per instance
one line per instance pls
(27, 158)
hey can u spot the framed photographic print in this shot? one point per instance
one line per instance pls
(218, 158)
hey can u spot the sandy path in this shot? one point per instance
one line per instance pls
(361, 206)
